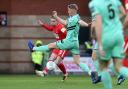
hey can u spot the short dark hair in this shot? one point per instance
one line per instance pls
(51, 17)
(73, 6)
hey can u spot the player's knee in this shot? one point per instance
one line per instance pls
(52, 45)
(103, 66)
(58, 60)
(76, 62)
(117, 65)
(117, 68)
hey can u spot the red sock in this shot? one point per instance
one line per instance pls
(45, 70)
(62, 68)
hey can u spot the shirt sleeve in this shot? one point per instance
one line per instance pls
(73, 21)
(93, 9)
(47, 27)
(118, 3)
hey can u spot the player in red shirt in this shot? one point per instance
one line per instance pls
(126, 19)
(57, 55)
(125, 61)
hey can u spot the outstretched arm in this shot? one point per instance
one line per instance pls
(122, 12)
(46, 26)
(64, 22)
(83, 23)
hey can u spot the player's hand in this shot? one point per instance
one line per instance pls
(101, 51)
(89, 24)
(54, 13)
(40, 22)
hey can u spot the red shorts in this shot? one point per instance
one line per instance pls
(61, 53)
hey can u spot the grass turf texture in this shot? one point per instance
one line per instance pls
(52, 82)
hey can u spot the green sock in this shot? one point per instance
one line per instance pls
(84, 67)
(124, 71)
(106, 80)
(41, 48)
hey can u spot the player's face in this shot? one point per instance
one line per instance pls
(53, 21)
(72, 12)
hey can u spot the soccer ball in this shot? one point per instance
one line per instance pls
(51, 65)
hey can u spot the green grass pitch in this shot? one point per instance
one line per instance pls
(52, 82)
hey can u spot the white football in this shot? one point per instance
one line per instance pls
(51, 65)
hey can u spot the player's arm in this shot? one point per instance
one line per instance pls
(122, 12)
(98, 24)
(46, 26)
(93, 34)
(64, 22)
(83, 23)
(121, 8)
(98, 29)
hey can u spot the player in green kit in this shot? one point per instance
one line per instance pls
(109, 35)
(71, 41)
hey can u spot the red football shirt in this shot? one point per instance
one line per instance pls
(58, 30)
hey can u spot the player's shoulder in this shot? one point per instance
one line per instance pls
(60, 25)
(93, 3)
(74, 18)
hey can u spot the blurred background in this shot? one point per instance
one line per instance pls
(18, 24)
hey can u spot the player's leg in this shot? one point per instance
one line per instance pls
(93, 70)
(119, 68)
(118, 55)
(74, 48)
(58, 61)
(120, 77)
(105, 76)
(95, 59)
(30, 45)
(54, 56)
(61, 66)
(51, 58)
(45, 47)
(104, 62)
(83, 66)
(91, 62)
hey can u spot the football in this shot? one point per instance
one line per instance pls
(51, 65)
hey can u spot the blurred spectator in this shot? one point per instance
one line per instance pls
(3, 18)
(88, 46)
(39, 58)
